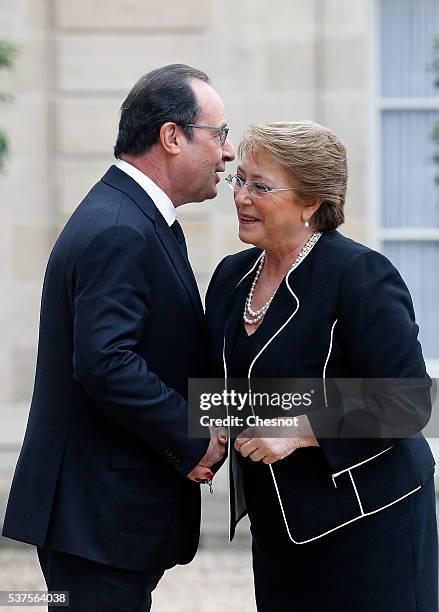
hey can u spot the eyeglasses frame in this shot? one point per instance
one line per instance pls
(249, 184)
(224, 131)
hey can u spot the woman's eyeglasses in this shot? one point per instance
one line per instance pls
(256, 188)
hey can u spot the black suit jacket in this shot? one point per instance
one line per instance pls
(101, 473)
(345, 312)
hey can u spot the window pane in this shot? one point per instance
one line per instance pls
(408, 28)
(418, 263)
(410, 196)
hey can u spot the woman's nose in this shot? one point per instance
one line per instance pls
(243, 195)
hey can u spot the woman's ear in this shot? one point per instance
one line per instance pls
(170, 138)
(309, 210)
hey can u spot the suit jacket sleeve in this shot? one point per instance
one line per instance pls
(377, 331)
(111, 303)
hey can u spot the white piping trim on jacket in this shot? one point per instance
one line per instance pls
(280, 328)
(251, 269)
(327, 359)
(395, 501)
(356, 492)
(228, 442)
(360, 516)
(351, 467)
(334, 476)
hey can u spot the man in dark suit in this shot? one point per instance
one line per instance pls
(106, 485)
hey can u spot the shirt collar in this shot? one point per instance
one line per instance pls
(157, 195)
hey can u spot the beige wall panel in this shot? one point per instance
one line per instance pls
(230, 242)
(223, 211)
(23, 362)
(76, 178)
(114, 63)
(31, 250)
(196, 211)
(5, 256)
(246, 109)
(289, 67)
(19, 318)
(259, 64)
(21, 18)
(354, 227)
(23, 183)
(88, 125)
(5, 370)
(13, 418)
(28, 76)
(349, 115)
(24, 187)
(346, 65)
(250, 18)
(133, 14)
(199, 238)
(28, 80)
(261, 51)
(344, 17)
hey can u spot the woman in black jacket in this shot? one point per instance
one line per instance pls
(340, 523)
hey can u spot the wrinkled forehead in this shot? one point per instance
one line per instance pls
(212, 110)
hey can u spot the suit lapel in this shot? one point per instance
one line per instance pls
(122, 182)
(235, 309)
(281, 309)
(181, 265)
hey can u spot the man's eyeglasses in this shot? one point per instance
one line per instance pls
(222, 131)
(256, 188)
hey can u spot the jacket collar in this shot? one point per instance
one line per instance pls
(283, 307)
(282, 310)
(119, 180)
(161, 200)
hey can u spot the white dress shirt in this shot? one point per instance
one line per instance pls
(157, 195)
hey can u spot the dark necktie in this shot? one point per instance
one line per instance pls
(178, 233)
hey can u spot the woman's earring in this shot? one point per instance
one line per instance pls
(306, 223)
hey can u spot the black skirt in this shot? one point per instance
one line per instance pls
(386, 562)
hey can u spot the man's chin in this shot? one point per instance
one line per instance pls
(207, 196)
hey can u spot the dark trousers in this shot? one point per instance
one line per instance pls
(387, 562)
(96, 587)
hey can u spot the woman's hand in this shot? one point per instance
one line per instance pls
(251, 444)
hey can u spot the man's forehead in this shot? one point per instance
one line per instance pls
(209, 101)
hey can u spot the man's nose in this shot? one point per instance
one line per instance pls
(228, 151)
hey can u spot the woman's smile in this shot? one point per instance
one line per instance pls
(247, 219)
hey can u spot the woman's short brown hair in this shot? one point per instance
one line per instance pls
(314, 157)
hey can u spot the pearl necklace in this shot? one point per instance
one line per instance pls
(250, 316)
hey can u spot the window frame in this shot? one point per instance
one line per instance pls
(376, 233)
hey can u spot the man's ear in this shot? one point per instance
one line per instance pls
(170, 138)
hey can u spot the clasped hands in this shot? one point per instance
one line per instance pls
(251, 443)
(214, 454)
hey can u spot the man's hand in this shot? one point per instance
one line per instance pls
(200, 473)
(251, 444)
(214, 454)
